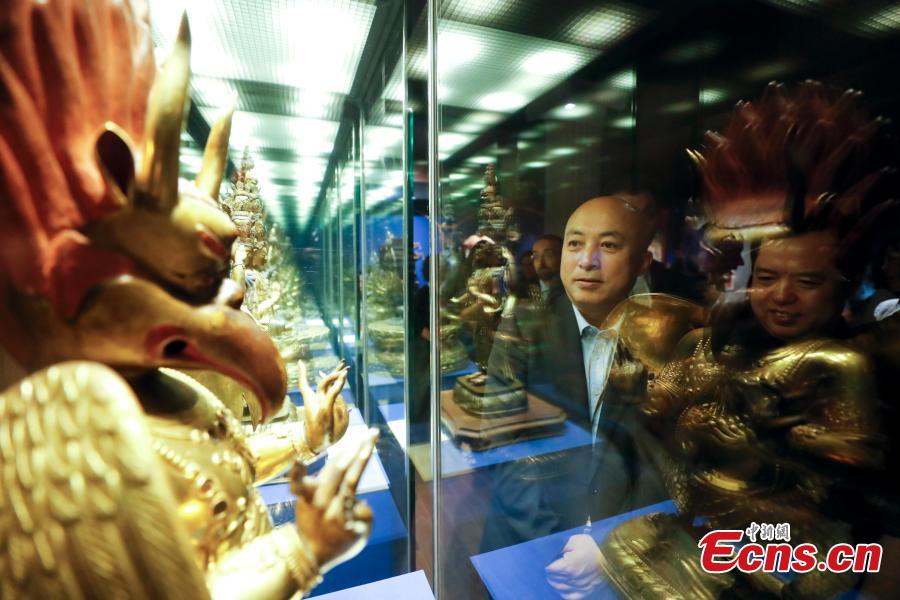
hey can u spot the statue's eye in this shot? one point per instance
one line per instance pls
(212, 243)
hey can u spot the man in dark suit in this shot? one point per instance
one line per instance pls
(546, 253)
(572, 363)
(604, 251)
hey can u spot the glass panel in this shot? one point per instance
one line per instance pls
(320, 88)
(578, 415)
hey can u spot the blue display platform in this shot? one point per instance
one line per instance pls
(384, 387)
(385, 553)
(517, 572)
(411, 586)
(457, 460)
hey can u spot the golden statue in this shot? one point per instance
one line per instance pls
(272, 283)
(122, 476)
(488, 297)
(243, 204)
(768, 416)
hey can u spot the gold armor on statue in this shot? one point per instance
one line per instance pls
(751, 431)
(767, 417)
(384, 303)
(123, 477)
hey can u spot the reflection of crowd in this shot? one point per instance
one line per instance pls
(775, 407)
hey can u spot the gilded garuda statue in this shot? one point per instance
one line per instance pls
(122, 477)
(768, 414)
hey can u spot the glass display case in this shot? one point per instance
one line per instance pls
(615, 283)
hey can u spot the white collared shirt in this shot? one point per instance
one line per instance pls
(597, 348)
(547, 288)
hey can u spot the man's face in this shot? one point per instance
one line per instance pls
(604, 250)
(796, 289)
(546, 255)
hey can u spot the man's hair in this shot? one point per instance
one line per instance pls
(643, 205)
(549, 237)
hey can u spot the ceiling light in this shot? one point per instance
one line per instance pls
(484, 118)
(549, 62)
(623, 122)
(468, 128)
(679, 107)
(625, 80)
(450, 141)
(502, 101)
(882, 22)
(456, 48)
(712, 95)
(565, 151)
(605, 26)
(797, 6)
(535, 164)
(276, 45)
(481, 160)
(570, 111)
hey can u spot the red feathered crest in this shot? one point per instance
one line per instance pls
(798, 160)
(66, 69)
(89, 161)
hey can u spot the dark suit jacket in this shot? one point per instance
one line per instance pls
(618, 473)
(625, 461)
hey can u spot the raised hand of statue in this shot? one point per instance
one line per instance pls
(324, 410)
(329, 516)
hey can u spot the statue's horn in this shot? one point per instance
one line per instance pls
(215, 156)
(158, 177)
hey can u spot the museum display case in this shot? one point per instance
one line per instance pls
(449, 298)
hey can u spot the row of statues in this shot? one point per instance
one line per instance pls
(124, 476)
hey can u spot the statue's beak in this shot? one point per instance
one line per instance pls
(230, 342)
(133, 323)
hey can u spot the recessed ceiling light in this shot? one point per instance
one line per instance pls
(712, 95)
(502, 101)
(570, 111)
(565, 151)
(624, 80)
(535, 164)
(549, 62)
(457, 48)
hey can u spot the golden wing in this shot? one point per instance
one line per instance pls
(651, 325)
(85, 507)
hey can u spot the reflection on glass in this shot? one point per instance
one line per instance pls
(671, 338)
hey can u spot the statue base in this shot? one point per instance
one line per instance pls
(540, 419)
(485, 397)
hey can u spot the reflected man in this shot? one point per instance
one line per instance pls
(546, 254)
(605, 250)
(568, 364)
